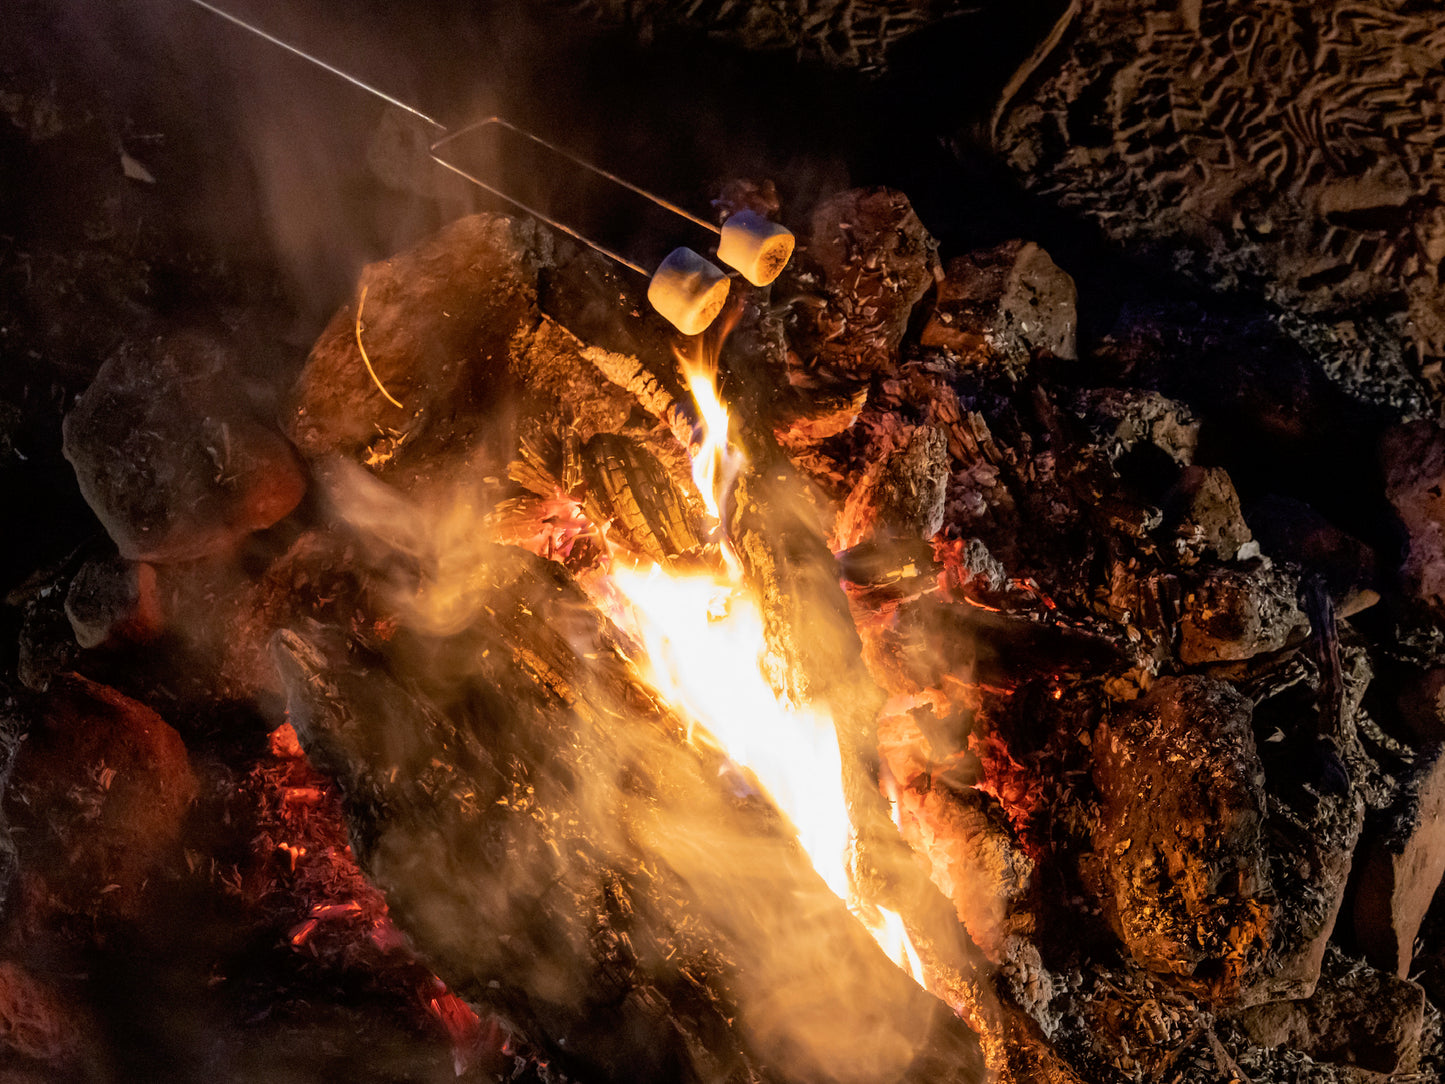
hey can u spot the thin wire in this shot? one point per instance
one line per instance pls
(548, 219)
(644, 193)
(374, 378)
(353, 80)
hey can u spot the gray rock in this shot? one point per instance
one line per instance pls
(170, 456)
(1413, 457)
(1232, 613)
(1010, 301)
(1402, 861)
(1208, 520)
(1357, 1016)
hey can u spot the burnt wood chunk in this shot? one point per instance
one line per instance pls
(556, 850)
(437, 325)
(1178, 844)
(900, 496)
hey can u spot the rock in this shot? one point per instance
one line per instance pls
(1121, 419)
(1413, 457)
(437, 323)
(112, 597)
(1401, 863)
(1358, 1016)
(100, 788)
(38, 1026)
(900, 496)
(868, 262)
(1231, 614)
(1207, 517)
(1178, 843)
(170, 457)
(1011, 301)
(1311, 834)
(1421, 701)
(1171, 126)
(1290, 530)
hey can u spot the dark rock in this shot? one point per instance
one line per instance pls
(1290, 530)
(1011, 301)
(1207, 517)
(437, 324)
(1178, 842)
(1122, 419)
(867, 263)
(1401, 862)
(170, 457)
(1172, 126)
(860, 35)
(100, 788)
(1231, 614)
(1421, 701)
(1413, 457)
(1311, 832)
(112, 597)
(1357, 1016)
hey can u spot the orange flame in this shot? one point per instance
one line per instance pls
(703, 635)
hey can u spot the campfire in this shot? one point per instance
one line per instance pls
(766, 638)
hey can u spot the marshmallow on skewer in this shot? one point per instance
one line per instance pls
(756, 247)
(688, 290)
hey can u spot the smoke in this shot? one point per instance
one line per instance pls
(551, 842)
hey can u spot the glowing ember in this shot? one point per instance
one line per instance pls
(703, 636)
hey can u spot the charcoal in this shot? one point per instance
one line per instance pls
(170, 457)
(1171, 126)
(553, 848)
(100, 788)
(1358, 1016)
(972, 854)
(900, 496)
(1010, 302)
(1179, 843)
(1121, 420)
(1401, 862)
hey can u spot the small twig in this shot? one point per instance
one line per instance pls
(374, 378)
(1222, 1057)
(1173, 1056)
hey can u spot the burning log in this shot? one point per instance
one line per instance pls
(550, 844)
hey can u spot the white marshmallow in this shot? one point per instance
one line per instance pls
(688, 290)
(756, 247)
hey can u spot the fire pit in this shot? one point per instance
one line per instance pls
(974, 656)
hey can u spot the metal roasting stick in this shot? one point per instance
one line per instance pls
(686, 289)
